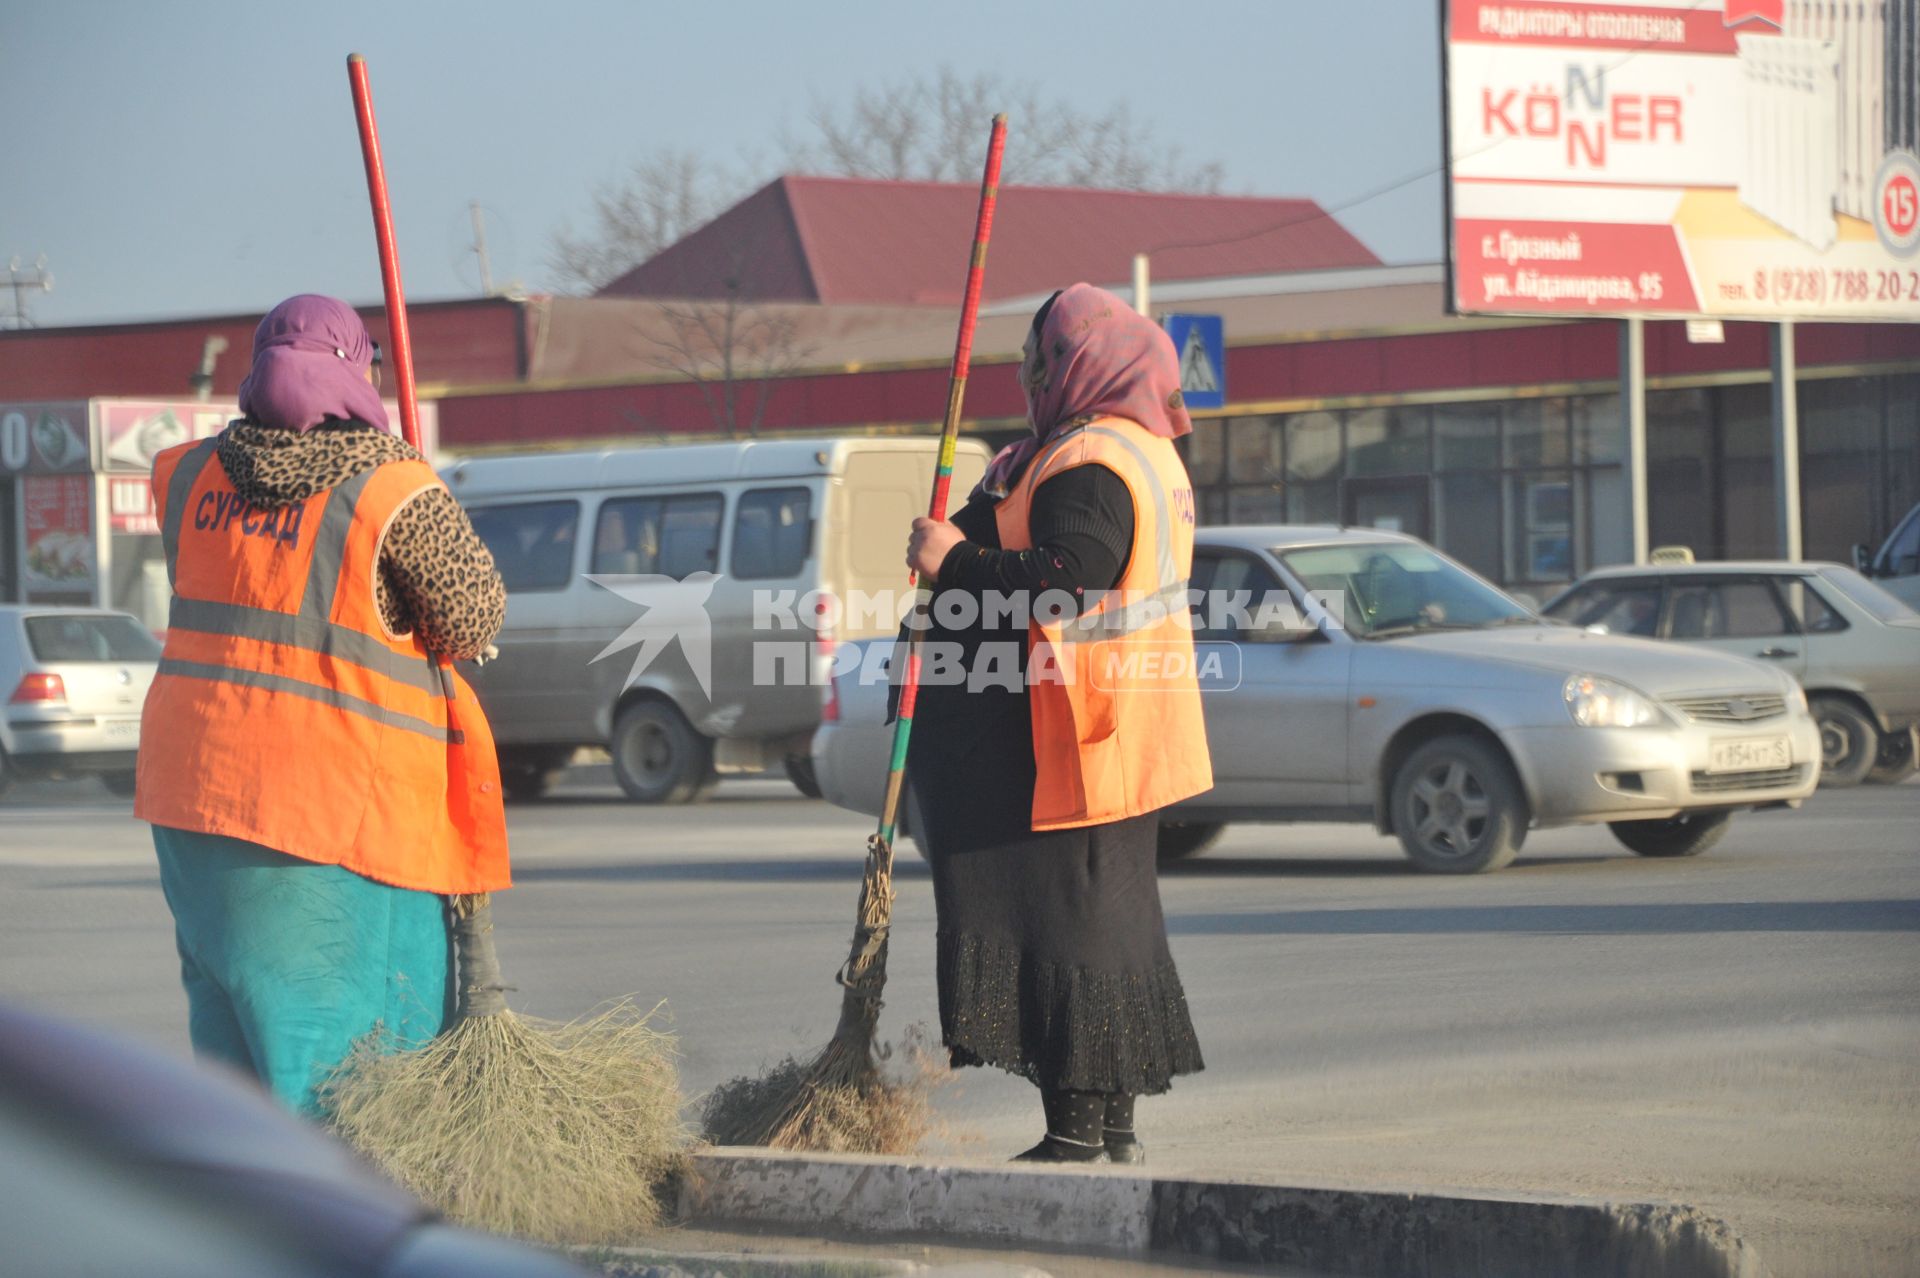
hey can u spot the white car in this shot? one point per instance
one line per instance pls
(74, 681)
(1437, 709)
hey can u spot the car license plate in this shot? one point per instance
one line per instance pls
(1749, 754)
(122, 729)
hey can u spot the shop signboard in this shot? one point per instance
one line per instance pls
(130, 508)
(132, 432)
(43, 438)
(1747, 159)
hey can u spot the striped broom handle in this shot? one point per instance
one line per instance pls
(399, 337)
(943, 472)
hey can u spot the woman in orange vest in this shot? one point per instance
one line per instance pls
(1060, 712)
(316, 775)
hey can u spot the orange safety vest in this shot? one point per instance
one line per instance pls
(285, 713)
(1115, 693)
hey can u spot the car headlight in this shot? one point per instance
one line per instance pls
(1601, 703)
(1796, 697)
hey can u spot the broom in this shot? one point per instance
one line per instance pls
(558, 1132)
(841, 1101)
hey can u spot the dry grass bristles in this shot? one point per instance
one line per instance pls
(844, 1102)
(561, 1133)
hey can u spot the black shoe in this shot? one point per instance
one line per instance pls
(1050, 1150)
(1125, 1147)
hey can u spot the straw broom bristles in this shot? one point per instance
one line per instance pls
(562, 1133)
(842, 1101)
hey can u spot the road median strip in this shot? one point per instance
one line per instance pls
(1341, 1231)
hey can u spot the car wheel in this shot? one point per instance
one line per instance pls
(1849, 742)
(1458, 808)
(658, 757)
(528, 772)
(524, 784)
(1688, 834)
(6, 775)
(120, 783)
(1182, 839)
(800, 772)
(1895, 762)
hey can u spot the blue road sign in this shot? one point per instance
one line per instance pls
(1201, 343)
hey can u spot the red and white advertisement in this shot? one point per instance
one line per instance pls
(132, 432)
(1735, 158)
(57, 551)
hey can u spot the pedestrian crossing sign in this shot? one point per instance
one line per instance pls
(1200, 342)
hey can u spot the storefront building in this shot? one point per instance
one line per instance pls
(1352, 395)
(77, 519)
(1530, 490)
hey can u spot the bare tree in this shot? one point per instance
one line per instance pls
(662, 197)
(733, 350)
(930, 130)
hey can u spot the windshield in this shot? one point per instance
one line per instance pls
(1877, 602)
(1392, 587)
(59, 637)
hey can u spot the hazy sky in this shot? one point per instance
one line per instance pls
(175, 157)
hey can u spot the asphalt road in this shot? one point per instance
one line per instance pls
(1740, 1032)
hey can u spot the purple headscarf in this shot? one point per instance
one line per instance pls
(310, 361)
(1096, 357)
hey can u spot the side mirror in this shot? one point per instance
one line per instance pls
(1862, 559)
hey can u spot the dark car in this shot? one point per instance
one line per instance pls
(117, 1160)
(1896, 565)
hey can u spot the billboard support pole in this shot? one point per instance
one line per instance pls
(1786, 442)
(1633, 411)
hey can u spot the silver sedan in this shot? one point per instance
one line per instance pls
(1359, 675)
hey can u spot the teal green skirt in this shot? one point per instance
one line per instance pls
(288, 963)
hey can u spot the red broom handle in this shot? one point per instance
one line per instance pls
(942, 478)
(969, 311)
(399, 337)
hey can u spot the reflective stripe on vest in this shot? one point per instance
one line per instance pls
(311, 691)
(305, 632)
(185, 473)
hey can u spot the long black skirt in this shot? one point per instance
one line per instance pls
(1052, 959)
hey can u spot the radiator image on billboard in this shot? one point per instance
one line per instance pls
(1734, 158)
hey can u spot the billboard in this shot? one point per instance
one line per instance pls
(1750, 159)
(43, 438)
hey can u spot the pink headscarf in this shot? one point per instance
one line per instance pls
(310, 360)
(1102, 359)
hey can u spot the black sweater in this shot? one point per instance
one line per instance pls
(1082, 532)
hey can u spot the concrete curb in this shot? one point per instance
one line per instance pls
(1342, 1231)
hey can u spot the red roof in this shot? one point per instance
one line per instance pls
(475, 340)
(863, 241)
